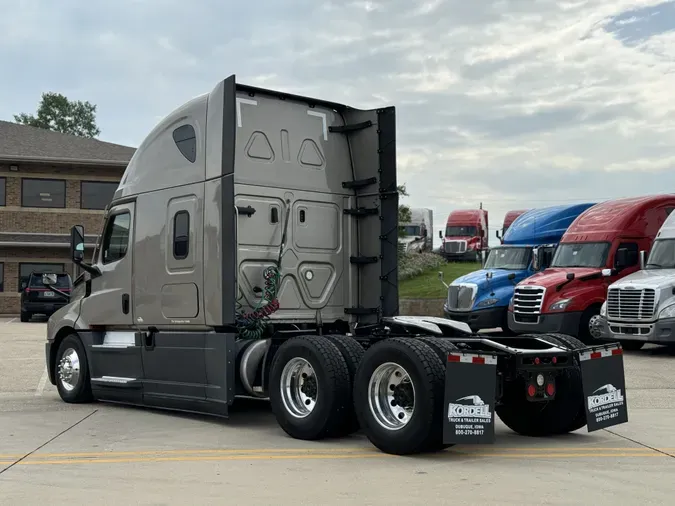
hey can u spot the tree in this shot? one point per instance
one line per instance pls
(55, 112)
(404, 214)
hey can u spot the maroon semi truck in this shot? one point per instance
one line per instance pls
(466, 235)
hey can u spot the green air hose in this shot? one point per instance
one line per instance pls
(252, 324)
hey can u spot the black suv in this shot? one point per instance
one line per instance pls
(36, 298)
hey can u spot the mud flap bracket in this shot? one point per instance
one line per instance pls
(470, 398)
(604, 386)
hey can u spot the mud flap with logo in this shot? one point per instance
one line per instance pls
(604, 386)
(470, 392)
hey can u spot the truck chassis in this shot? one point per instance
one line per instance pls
(411, 384)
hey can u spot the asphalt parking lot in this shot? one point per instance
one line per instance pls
(54, 453)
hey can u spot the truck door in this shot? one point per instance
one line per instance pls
(115, 353)
(110, 301)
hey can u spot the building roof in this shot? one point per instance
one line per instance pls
(31, 144)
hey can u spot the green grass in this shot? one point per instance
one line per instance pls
(428, 286)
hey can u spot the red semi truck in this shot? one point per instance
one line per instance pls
(509, 218)
(466, 235)
(602, 245)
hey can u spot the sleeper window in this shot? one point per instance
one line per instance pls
(186, 142)
(181, 235)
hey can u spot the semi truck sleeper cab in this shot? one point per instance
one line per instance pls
(251, 250)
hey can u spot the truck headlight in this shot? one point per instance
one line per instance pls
(603, 309)
(487, 302)
(560, 305)
(667, 312)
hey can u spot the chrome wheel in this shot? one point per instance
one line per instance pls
(69, 369)
(391, 396)
(595, 326)
(299, 387)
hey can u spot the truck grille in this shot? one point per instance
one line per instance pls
(455, 246)
(527, 301)
(630, 304)
(461, 297)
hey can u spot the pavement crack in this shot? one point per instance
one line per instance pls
(47, 442)
(640, 444)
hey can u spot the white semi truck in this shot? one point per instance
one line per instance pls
(251, 250)
(416, 236)
(640, 308)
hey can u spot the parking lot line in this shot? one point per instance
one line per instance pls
(41, 384)
(10, 321)
(319, 453)
(323, 456)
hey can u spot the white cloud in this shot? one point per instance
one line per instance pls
(515, 104)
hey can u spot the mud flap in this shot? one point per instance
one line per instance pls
(470, 393)
(604, 386)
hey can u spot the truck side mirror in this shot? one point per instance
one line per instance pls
(77, 244)
(569, 276)
(643, 254)
(536, 261)
(440, 234)
(497, 234)
(621, 259)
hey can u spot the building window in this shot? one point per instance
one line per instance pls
(43, 193)
(116, 241)
(2, 277)
(186, 141)
(3, 191)
(181, 235)
(26, 268)
(96, 194)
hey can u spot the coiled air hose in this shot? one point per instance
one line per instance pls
(252, 324)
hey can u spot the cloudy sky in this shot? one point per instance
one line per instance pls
(519, 103)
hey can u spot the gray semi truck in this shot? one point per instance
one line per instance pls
(251, 250)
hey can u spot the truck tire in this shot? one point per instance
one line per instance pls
(584, 332)
(25, 316)
(572, 343)
(71, 370)
(392, 372)
(439, 345)
(442, 348)
(566, 413)
(309, 388)
(352, 352)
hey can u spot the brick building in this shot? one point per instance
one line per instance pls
(49, 182)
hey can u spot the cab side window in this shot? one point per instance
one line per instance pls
(116, 239)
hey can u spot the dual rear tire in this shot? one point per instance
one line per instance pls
(327, 386)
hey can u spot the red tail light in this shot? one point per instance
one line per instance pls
(531, 391)
(550, 389)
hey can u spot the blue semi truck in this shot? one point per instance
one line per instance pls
(481, 298)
